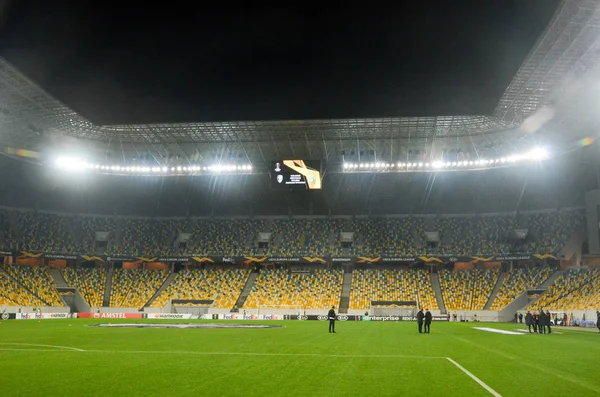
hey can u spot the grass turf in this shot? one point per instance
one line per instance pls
(302, 359)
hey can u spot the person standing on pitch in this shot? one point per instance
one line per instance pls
(420, 317)
(598, 319)
(529, 321)
(549, 321)
(544, 320)
(331, 318)
(428, 318)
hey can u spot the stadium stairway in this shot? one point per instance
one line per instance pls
(499, 281)
(108, 288)
(345, 298)
(118, 233)
(15, 225)
(58, 278)
(549, 281)
(164, 285)
(332, 239)
(246, 290)
(251, 239)
(277, 240)
(76, 231)
(435, 283)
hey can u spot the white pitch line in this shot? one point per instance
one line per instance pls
(38, 345)
(568, 377)
(40, 350)
(66, 349)
(497, 331)
(476, 379)
(265, 354)
(229, 353)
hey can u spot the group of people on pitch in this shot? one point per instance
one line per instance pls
(540, 322)
(424, 318)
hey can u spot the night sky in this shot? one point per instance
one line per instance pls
(146, 62)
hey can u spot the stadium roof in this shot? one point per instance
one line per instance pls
(26, 103)
(568, 49)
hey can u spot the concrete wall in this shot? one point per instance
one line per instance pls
(508, 313)
(486, 316)
(80, 303)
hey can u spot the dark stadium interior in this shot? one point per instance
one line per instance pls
(266, 63)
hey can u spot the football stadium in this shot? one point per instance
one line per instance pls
(448, 255)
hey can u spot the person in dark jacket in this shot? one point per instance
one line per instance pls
(549, 321)
(536, 322)
(542, 322)
(598, 319)
(428, 318)
(521, 318)
(529, 320)
(420, 317)
(331, 318)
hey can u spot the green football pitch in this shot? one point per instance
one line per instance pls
(69, 357)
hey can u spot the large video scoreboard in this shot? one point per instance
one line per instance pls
(296, 174)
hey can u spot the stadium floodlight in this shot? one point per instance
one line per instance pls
(437, 164)
(537, 154)
(71, 164)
